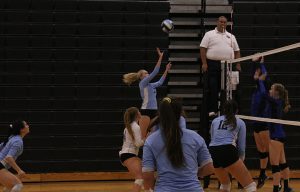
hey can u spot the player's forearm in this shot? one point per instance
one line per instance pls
(13, 164)
(159, 61)
(206, 170)
(149, 180)
(164, 75)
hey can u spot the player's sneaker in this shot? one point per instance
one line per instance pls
(261, 181)
(288, 190)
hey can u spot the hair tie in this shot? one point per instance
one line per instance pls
(167, 99)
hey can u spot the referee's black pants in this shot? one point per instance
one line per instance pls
(214, 84)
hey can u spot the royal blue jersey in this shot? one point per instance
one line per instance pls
(274, 109)
(258, 102)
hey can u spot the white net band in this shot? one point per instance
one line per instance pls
(271, 52)
(269, 120)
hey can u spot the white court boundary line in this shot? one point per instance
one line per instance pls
(270, 52)
(277, 121)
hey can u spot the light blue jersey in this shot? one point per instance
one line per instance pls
(171, 179)
(13, 148)
(225, 135)
(148, 90)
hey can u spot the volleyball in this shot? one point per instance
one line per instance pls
(167, 25)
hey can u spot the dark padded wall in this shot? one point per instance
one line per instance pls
(61, 66)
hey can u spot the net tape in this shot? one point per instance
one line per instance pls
(270, 52)
(269, 120)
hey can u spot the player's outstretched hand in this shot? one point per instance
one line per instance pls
(160, 53)
(262, 60)
(168, 66)
(262, 77)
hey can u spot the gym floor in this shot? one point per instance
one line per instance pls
(119, 186)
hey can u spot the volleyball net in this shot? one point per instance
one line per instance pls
(266, 53)
(227, 76)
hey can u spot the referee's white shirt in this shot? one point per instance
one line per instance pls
(220, 46)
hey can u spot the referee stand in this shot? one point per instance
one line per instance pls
(205, 122)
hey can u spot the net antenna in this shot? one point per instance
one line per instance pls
(229, 86)
(226, 67)
(269, 120)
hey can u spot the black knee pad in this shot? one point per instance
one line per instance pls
(283, 166)
(275, 169)
(263, 155)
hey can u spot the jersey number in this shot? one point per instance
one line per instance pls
(222, 126)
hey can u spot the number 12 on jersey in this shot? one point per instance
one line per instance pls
(222, 126)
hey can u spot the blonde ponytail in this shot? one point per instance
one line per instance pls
(130, 78)
(287, 104)
(284, 95)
